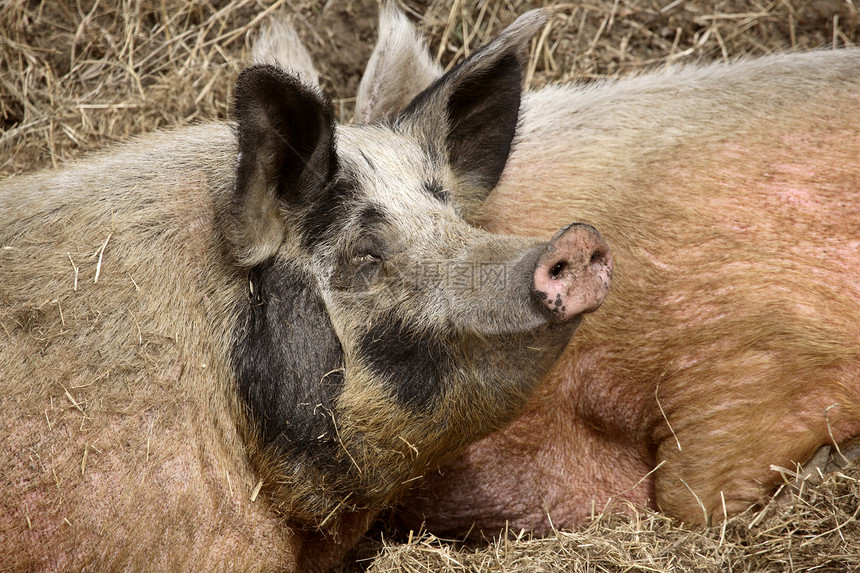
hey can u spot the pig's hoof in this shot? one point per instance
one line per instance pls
(825, 460)
(845, 456)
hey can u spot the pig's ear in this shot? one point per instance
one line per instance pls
(400, 68)
(279, 44)
(286, 157)
(470, 114)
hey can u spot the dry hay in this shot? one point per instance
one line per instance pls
(817, 530)
(78, 74)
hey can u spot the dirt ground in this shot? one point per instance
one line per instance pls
(77, 75)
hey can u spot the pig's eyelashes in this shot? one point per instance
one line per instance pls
(365, 258)
(366, 249)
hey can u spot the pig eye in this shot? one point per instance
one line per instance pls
(365, 270)
(366, 257)
(366, 250)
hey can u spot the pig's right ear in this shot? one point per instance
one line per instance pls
(468, 117)
(286, 157)
(400, 68)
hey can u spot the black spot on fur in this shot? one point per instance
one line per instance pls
(288, 363)
(327, 216)
(413, 365)
(435, 189)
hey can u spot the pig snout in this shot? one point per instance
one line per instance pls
(573, 275)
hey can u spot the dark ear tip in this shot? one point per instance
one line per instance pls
(270, 83)
(260, 81)
(252, 74)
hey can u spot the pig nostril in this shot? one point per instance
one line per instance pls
(596, 257)
(557, 269)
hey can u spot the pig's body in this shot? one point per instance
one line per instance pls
(139, 355)
(227, 347)
(731, 197)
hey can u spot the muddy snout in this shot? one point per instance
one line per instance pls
(573, 275)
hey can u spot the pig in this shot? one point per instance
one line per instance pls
(229, 346)
(730, 194)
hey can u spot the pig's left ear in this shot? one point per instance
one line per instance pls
(286, 157)
(469, 116)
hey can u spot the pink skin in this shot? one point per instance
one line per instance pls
(574, 275)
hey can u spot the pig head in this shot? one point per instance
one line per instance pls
(403, 312)
(227, 347)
